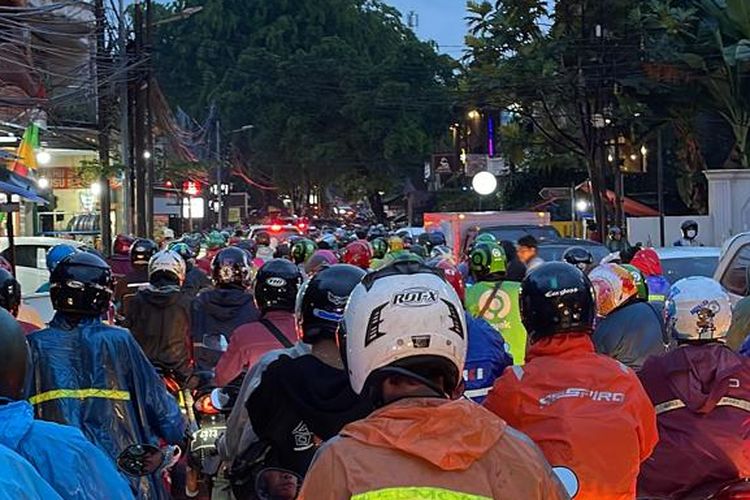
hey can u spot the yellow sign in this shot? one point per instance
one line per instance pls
(234, 214)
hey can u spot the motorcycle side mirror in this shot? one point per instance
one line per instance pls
(277, 484)
(568, 479)
(219, 399)
(139, 460)
(216, 342)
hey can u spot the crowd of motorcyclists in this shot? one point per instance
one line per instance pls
(377, 366)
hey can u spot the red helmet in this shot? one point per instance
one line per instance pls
(453, 277)
(357, 253)
(648, 262)
(122, 244)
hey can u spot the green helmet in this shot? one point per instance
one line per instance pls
(485, 238)
(302, 250)
(639, 279)
(215, 240)
(379, 248)
(487, 261)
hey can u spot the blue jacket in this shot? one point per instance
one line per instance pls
(74, 467)
(19, 479)
(485, 360)
(745, 348)
(95, 377)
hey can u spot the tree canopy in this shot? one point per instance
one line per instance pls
(340, 92)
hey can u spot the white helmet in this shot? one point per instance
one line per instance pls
(403, 311)
(167, 262)
(697, 308)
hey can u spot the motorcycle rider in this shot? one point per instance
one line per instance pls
(528, 252)
(495, 299)
(301, 401)
(357, 253)
(579, 257)
(119, 261)
(647, 260)
(486, 358)
(70, 464)
(302, 250)
(195, 279)
(569, 399)
(54, 256)
(379, 249)
(125, 403)
(219, 311)
(701, 394)
(404, 341)
(214, 243)
(159, 316)
(630, 330)
(689, 229)
(276, 287)
(616, 242)
(10, 299)
(140, 253)
(319, 260)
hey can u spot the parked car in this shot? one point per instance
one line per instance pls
(731, 271)
(681, 262)
(552, 250)
(513, 233)
(31, 259)
(277, 232)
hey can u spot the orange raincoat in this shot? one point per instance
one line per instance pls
(587, 413)
(427, 448)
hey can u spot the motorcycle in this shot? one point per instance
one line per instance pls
(139, 460)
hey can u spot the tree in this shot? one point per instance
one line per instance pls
(340, 92)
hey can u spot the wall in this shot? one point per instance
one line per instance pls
(646, 230)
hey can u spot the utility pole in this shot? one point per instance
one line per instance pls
(150, 174)
(127, 186)
(660, 185)
(103, 124)
(218, 173)
(139, 120)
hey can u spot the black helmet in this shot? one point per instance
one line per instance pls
(437, 238)
(81, 284)
(276, 285)
(231, 268)
(16, 363)
(688, 225)
(419, 250)
(556, 298)
(579, 257)
(321, 301)
(10, 292)
(247, 245)
(262, 239)
(425, 241)
(142, 250)
(282, 251)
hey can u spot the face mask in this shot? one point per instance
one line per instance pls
(691, 234)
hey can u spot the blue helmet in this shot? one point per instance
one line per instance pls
(58, 253)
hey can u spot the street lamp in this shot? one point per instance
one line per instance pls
(582, 205)
(42, 182)
(484, 183)
(43, 157)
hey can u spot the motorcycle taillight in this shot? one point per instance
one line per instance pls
(204, 406)
(172, 386)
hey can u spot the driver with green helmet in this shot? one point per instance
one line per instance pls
(494, 298)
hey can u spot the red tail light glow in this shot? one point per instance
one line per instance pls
(276, 228)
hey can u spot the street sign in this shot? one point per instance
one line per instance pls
(444, 163)
(549, 193)
(475, 164)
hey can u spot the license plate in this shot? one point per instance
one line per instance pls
(204, 438)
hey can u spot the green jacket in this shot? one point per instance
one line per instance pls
(503, 313)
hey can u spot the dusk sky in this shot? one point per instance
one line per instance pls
(439, 20)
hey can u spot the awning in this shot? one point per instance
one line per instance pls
(11, 183)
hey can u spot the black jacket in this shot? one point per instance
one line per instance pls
(127, 287)
(631, 334)
(221, 311)
(159, 319)
(299, 403)
(195, 281)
